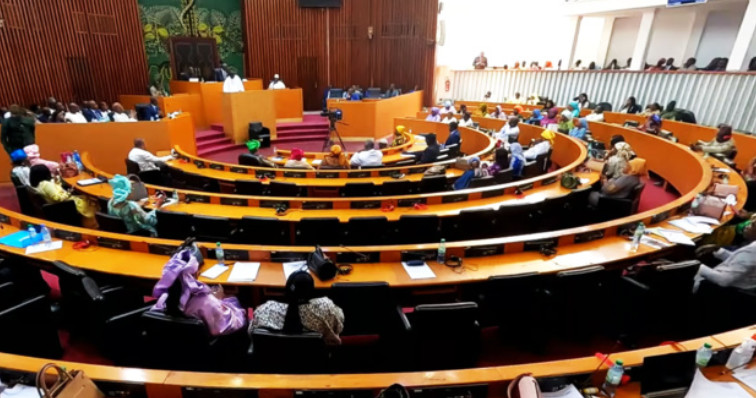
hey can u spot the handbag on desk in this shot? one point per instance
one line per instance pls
(524, 386)
(73, 384)
(711, 206)
(321, 265)
(724, 190)
(138, 190)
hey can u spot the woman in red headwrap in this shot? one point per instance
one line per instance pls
(296, 160)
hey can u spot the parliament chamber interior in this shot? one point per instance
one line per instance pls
(377, 198)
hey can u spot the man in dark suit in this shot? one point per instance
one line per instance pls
(221, 73)
(153, 110)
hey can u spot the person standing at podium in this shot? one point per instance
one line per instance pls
(233, 83)
(276, 83)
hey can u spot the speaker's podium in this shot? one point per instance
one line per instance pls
(265, 106)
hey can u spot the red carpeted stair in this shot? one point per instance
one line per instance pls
(311, 128)
(213, 141)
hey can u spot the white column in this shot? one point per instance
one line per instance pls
(606, 38)
(700, 16)
(571, 32)
(743, 41)
(644, 37)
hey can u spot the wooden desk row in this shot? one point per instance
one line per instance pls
(410, 144)
(168, 383)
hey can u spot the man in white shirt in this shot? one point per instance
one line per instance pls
(448, 118)
(466, 120)
(145, 159)
(276, 83)
(738, 268)
(233, 83)
(596, 116)
(368, 157)
(74, 114)
(120, 115)
(510, 131)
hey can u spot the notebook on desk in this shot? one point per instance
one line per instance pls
(668, 376)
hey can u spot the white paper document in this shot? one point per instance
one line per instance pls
(588, 257)
(44, 247)
(419, 271)
(746, 376)
(292, 267)
(673, 236)
(317, 162)
(705, 388)
(703, 220)
(692, 227)
(567, 392)
(244, 272)
(20, 391)
(214, 271)
(653, 242)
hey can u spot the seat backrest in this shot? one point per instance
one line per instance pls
(246, 159)
(368, 306)
(286, 189)
(433, 184)
(482, 182)
(607, 107)
(336, 93)
(373, 92)
(532, 169)
(152, 177)
(432, 319)
(504, 176)
(248, 187)
(584, 281)
(109, 223)
(132, 167)
(399, 187)
(212, 228)
(264, 230)
(174, 225)
(173, 333)
(29, 202)
(363, 231)
(318, 231)
(636, 197)
(418, 228)
(62, 212)
(358, 189)
(278, 352)
(675, 279)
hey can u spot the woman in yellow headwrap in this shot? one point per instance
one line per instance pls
(541, 146)
(483, 109)
(399, 138)
(336, 159)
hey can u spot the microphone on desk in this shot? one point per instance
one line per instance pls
(360, 256)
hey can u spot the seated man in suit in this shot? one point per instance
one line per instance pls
(454, 137)
(221, 72)
(153, 111)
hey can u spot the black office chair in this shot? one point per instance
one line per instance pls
(132, 167)
(247, 159)
(452, 326)
(284, 189)
(29, 202)
(263, 231)
(606, 106)
(572, 292)
(152, 177)
(528, 291)
(554, 212)
(248, 187)
(62, 213)
(196, 182)
(482, 182)
(751, 201)
(504, 176)
(373, 92)
(178, 178)
(367, 231)
(711, 299)
(517, 219)
(277, 352)
(454, 151)
(470, 224)
(174, 225)
(614, 208)
(319, 231)
(397, 188)
(124, 327)
(358, 190)
(29, 329)
(433, 184)
(577, 212)
(213, 229)
(659, 298)
(109, 223)
(532, 169)
(166, 338)
(417, 229)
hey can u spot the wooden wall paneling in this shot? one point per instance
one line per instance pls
(285, 39)
(351, 58)
(71, 49)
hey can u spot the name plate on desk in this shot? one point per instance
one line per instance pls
(526, 187)
(200, 164)
(492, 193)
(67, 235)
(538, 245)
(425, 255)
(238, 170)
(273, 203)
(285, 257)
(234, 202)
(358, 257)
(454, 198)
(548, 181)
(627, 229)
(416, 170)
(4, 219)
(321, 174)
(162, 250)
(194, 198)
(389, 173)
(659, 217)
(359, 174)
(295, 174)
(589, 236)
(411, 202)
(216, 167)
(113, 243)
(484, 251)
(317, 205)
(365, 204)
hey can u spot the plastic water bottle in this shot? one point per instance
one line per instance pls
(32, 233)
(441, 258)
(742, 354)
(46, 237)
(175, 195)
(614, 377)
(696, 203)
(637, 236)
(219, 255)
(703, 355)
(77, 160)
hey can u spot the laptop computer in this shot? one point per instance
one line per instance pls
(668, 376)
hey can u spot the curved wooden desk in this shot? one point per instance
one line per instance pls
(168, 383)
(411, 143)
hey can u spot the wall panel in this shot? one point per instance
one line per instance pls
(72, 49)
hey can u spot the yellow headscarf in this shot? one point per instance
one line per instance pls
(636, 167)
(483, 109)
(336, 150)
(548, 135)
(399, 130)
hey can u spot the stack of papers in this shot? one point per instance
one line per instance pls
(746, 376)
(317, 162)
(567, 392)
(580, 259)
(672, 236)
(705, 388)
(292, 267)
(44, 247)
(214, 271)
(653, 242)
(689, 226)
(419, 271)
(244, 272)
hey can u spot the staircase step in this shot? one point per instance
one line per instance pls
(301, 132)
(218, 148)
(300, 138)
(286, 126)
(208, 134)
(217, 127)
(211, 143)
